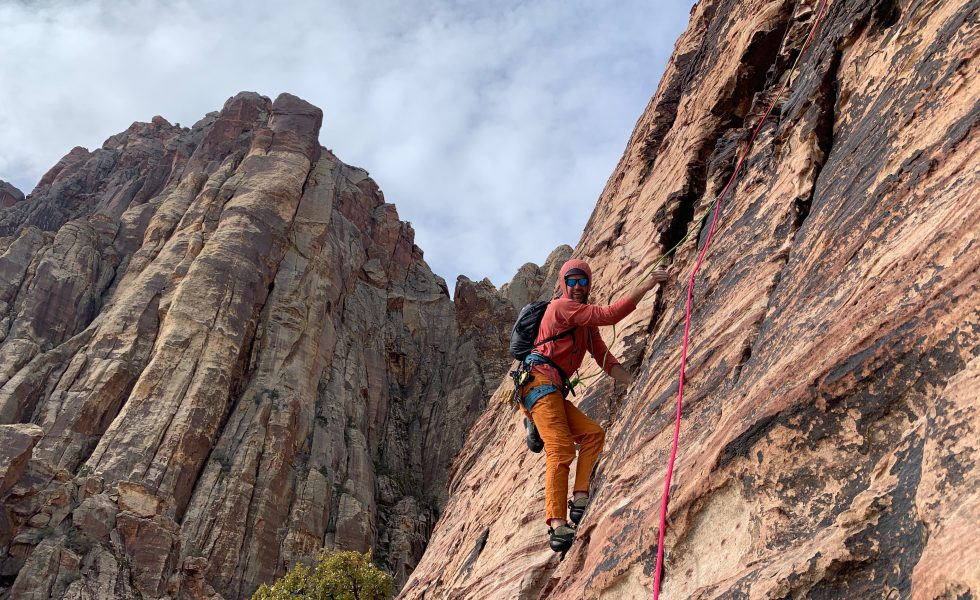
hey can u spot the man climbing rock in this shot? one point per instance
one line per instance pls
(559, 422)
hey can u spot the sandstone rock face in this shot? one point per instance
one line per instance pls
(9, 195)
(829, 441)
(536, 283)
(16, 443)
(236, 355)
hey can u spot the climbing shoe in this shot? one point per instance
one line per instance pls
(534, 441)
(576, 509)
(560, 538)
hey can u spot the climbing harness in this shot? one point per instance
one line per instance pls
(690, 292)
(522, 347)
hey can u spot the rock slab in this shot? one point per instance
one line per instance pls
(229, 353)
(829, 437)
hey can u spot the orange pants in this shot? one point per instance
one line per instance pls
(562, 425)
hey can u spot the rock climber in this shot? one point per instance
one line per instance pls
(560, 423)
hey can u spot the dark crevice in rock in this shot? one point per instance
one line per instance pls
(6, 582)
(826, 102)
(760, 60)
(683, 213)
(742, 359)
(884, 15)
(478, 546)
(715, 157)
(801, 210)
(824, 105)
(686, 67)
(658, 311)
(636, 364)
(618, 230)
(322, 420)
(823, 130)
(665, 114)
(118, 272)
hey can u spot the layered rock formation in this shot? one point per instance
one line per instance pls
(9, 195)
(829, 443)
(232, 354)
(536, 283)
(18, 442)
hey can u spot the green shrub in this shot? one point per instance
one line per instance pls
(337, 576)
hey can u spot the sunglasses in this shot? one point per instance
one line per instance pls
(584, 281)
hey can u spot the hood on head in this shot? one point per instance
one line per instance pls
(571, 265)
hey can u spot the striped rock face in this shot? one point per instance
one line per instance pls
(220, 350)
(830, 433)
(9, 195)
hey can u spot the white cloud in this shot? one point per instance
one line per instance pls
(491, 125)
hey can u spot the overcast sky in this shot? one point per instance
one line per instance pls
(492, 125)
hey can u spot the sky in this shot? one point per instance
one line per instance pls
(492, 125)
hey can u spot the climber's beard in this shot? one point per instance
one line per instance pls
(579, 294)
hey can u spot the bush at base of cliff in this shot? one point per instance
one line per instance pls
(337, 576)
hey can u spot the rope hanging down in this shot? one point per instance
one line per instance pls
(690, 292)
(649, 271)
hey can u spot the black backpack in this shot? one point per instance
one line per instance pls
(522, 344)
(526, 330)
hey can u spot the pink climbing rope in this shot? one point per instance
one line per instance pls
(687, 307)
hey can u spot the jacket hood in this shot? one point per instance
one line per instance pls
(571, 265)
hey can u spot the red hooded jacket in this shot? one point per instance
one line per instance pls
(563, 314)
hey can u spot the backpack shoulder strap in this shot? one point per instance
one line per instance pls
(555, 337)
